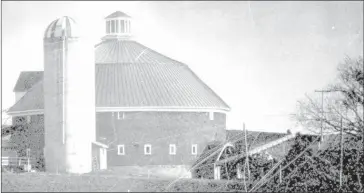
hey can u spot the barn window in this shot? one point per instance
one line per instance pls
(194, 149)
(172, 149)
(121, 150)
(147, 149)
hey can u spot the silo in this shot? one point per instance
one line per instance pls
(69, 98)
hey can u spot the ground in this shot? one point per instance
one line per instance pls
(107, 182)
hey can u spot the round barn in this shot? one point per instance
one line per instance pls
(150, 110)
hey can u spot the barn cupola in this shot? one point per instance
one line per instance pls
(118, 25)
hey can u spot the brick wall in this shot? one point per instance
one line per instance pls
(158, 129)
(138, 128)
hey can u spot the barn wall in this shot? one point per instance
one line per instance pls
(138, 128)
(158, 129)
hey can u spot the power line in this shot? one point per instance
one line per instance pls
(322, 110)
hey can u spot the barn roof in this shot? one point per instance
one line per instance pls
(254, 138)
(27, 79)
(236, 137)
(129, 74)
(33, 100)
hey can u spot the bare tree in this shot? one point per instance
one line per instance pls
(343, 102)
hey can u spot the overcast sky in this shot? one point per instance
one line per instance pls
(260, 57)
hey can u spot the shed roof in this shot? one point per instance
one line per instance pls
(254, 138)
(236, 137)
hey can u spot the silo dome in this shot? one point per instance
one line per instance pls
(62, 27)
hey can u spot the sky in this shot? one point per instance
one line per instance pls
(259, 57)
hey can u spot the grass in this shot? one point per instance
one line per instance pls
(41, 182)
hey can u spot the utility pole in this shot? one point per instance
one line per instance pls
(341, 151)
(322, 114)
(246, 152)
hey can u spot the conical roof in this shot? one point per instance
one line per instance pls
(133, 76)
(117, 14)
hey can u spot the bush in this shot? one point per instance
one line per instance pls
(321, 172)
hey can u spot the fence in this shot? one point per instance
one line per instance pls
(13, 162)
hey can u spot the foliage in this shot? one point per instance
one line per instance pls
(291, 175)
(353, 163)
(320, 171)
(26, 135)
(341, 107)
(260, 165)
(343, 102)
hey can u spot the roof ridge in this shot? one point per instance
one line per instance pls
(156, 52)
(207, 87)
